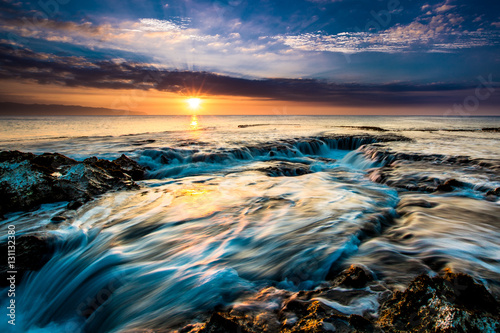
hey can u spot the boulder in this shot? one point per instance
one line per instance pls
(451, 303)
(353, 277)
(28, 180)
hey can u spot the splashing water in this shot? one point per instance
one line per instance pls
(224, 215)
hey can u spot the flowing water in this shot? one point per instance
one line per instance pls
(226, 212)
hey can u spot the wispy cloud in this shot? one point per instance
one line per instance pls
(438, 33)
(148, 24)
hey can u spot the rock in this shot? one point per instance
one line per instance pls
(222, 323)
(452, 303)
(75, 204)
(31, 253)
(491, 129)
(495, 192)
(131, 167)
(353, 277)
(28, 180)
(361, 323)
(58, 219)
(448, 185)
(299, 312)
(367, 128)
(279, 169)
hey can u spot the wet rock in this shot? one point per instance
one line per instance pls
(495, 192)
(321, 318)
(491, 129)
(131, 167)
(368, 128)
(75, 204)
(361, 323)
(353, 277)
(451, 303)
(58, 219)
(31, 253)
(448, 185)
(28, 180)
(299, 312)
(223, 323)
(252, 125)
(279, 169)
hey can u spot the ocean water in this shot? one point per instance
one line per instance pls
(225, 214)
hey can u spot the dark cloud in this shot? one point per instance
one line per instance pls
(23, 64)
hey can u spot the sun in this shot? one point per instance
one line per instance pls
(194, 103)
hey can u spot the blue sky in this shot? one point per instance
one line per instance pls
(401, 48)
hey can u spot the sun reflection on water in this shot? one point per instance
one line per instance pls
(194, 123)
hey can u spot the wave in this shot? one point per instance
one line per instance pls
(161, 255)
(174, 162)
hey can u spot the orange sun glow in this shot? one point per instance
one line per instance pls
(193, 103)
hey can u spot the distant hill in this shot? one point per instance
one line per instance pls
(19, 109)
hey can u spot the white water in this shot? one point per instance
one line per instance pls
(213, 224)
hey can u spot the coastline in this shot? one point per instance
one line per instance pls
(309, 310)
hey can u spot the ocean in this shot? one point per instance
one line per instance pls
(233, 205)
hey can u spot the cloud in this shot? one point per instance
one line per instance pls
(41, 68)
(438, 33)
(148, 24)
(444, 8)
(173, 42)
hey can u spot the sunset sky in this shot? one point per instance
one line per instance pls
(254, 57)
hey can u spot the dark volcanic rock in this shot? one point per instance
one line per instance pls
(75, 204)
(448, 185)
(58, 219)
(353, 277)
(221, 323)
(130, 167)
(368, 128)
(278, 169)
(31, 253)
(308, 317)
(491, 129)
(452, 303)
(28, 180)
(306, 311)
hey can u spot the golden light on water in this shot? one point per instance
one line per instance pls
(194, 103)
(194, 122)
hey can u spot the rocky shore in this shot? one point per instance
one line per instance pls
(449, 303)
(28, 180)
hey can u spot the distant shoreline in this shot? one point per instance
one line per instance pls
(8, 109)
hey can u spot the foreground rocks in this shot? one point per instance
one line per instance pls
(451, 303)
(289, 169)
(28, 180)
